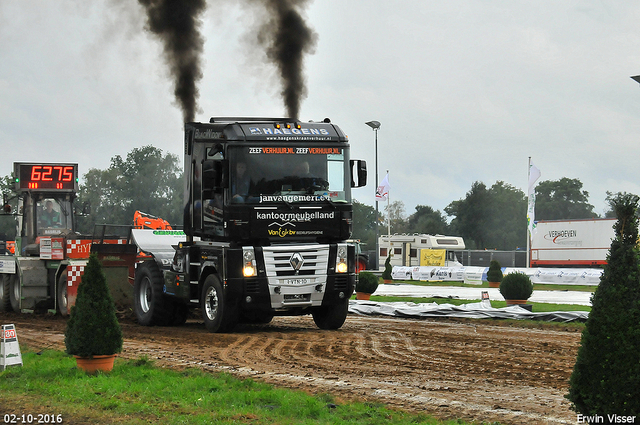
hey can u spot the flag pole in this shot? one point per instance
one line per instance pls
(528, 264)
(388, 210)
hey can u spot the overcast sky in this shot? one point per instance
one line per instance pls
(465, 90)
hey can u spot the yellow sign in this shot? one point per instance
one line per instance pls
(433, 257)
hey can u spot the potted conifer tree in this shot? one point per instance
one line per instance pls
(366, 285)
(386, 274)
(516, 288)
(607, 371)
(494, 274)
(93, 335)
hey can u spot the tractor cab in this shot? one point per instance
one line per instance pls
(46, 193)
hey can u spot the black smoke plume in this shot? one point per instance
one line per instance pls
(287, 38)
(177, 24)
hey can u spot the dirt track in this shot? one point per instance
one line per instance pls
(475, 370)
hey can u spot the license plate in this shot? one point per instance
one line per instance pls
(296, 281)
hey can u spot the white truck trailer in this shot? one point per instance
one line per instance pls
(571, 243)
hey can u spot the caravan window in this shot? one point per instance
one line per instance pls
(397, 251)
(413, 253)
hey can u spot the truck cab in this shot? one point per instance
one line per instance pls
(267, 214)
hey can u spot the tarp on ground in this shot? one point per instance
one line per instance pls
(481, 310)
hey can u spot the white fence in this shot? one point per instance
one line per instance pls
(475, 275)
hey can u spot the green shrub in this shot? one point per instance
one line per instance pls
(367, 283)
(494, 274)
(386, 274)
(516, 286)
(93, 328)
(606, 376)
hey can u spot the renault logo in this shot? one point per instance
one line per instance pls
(296, 261)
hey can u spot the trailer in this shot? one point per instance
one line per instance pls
(421, 250)
(571, 243)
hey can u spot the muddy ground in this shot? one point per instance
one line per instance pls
(471, 369)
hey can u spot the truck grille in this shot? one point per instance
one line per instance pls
(278, 260)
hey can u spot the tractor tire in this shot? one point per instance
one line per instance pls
(149, 302)
(63, 300)
(218, 315)
(15, 292)
(5, 297)
(361, 263)
(331, 317)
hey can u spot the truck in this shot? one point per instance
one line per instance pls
(267, 216)
(571, 243)
(421, 250)
(46, 265)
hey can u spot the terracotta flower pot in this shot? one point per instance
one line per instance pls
(494, 284)
(96, 363)
(362, 296)
(387, 280)
(516, 302)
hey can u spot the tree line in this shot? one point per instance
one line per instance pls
(145, 180)
(487, 217)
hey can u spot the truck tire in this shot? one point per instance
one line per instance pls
(331, 317)
(15, 292)
(63, 300)
(218, 315)
(149, 302)
(5, 298)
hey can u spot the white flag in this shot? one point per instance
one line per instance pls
(534, 175)
(382, 193)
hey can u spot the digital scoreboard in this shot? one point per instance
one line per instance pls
(46, 176)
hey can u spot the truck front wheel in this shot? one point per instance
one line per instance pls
(63, 301)
(15, 292)
(149, 302)
(5, 299)
(218, 315)
(331, 317)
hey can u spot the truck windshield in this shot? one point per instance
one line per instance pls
(54, 216)
(288, 174)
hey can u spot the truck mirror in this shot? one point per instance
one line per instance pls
(214, 174)
(359, 178)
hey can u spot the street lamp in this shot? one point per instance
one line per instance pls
(375, 125)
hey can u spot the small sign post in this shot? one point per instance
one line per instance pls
(485, 299)
(9, 347)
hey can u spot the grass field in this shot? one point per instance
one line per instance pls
(50, 388)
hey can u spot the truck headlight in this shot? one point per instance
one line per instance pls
(248, 262)
(341, 259)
